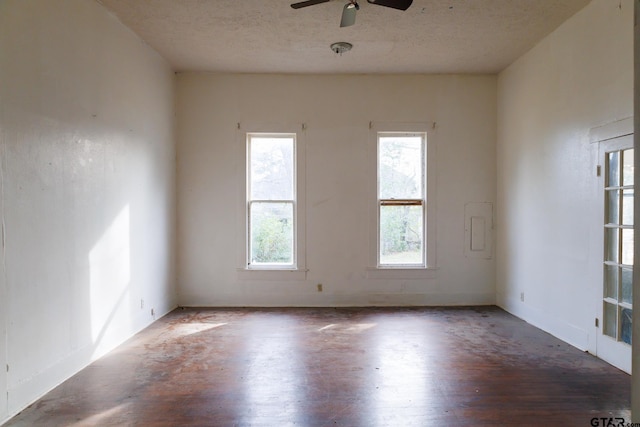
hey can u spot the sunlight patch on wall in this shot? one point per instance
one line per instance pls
(110, 276)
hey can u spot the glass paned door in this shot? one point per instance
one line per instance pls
(618, 240)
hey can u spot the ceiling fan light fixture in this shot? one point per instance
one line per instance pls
(394, 4)
(349, 10)
(349, 14)
(341, 47)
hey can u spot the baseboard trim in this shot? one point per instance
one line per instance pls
(374, 299)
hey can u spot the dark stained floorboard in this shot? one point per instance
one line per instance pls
(476, 366)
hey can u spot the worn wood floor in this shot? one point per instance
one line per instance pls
(338, 367)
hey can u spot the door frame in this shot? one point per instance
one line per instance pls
(609, 137)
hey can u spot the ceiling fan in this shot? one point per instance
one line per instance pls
(349, 10)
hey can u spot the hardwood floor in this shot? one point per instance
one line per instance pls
(476, 366)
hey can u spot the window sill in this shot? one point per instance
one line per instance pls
(401, 273)
(271, 274)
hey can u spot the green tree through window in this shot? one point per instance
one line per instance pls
(271, 201)
(401, 198)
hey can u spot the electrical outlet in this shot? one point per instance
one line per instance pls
(319, 287)
(153, 312)
(141, 304)
(522, 296)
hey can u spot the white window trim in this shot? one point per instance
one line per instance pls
(272, 272)
(374, 270)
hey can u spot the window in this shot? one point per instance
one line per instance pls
(401, 199)
(271, 209)
(403, 222)
(618, 231)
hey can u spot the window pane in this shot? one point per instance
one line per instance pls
(271, 233)
(627, 167)
(626, 325)
(610, 320)
(611, 238)
(613, 169)
(627, 207)
(401, 235)
(613, 207)
(400, 167)
(627, 286)
(627, 246)
(272, 168)
(611, 281)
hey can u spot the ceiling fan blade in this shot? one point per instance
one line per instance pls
(395, 4)
(348, 15)
(308, 3)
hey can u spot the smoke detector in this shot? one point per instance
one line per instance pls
(341, 47)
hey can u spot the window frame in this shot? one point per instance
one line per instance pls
(427, 268)
(251, 201)
(297, 269)
(392, 201)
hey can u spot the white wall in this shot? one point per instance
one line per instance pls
(337, 111)
(88, 157)
(549, 231)
(3, 306)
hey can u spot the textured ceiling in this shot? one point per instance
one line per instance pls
(268, 36)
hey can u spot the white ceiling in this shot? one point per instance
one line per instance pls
(268, 36)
